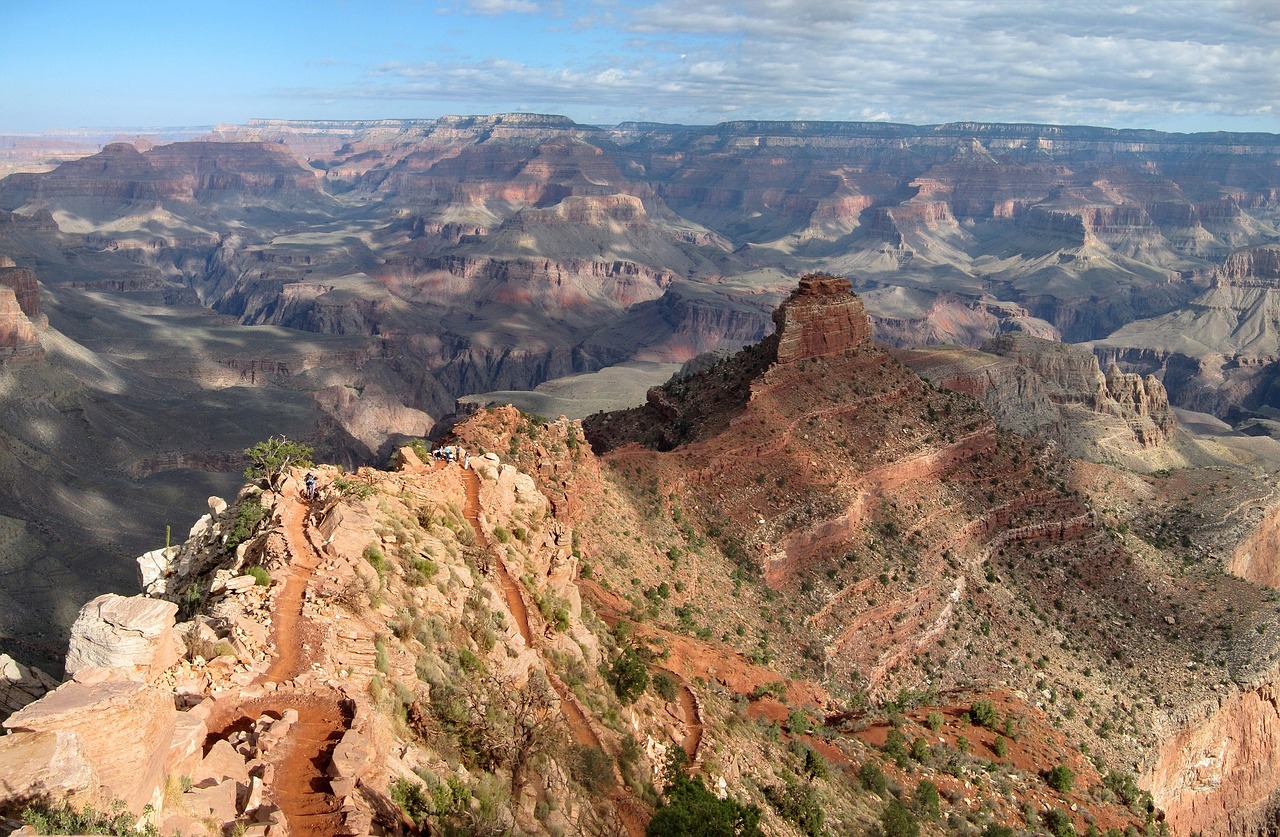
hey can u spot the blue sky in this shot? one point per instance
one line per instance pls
(1179, 65)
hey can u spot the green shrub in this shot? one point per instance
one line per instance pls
(373, 554)
(776, 690)
(1058, 823)
(934, 721)
(260, 575)
(664, 686)
(412, 799)
(928, 800)
(895, 747)
(798, 804)
(248, 515)
(897, 821)
(468, 661)
(628, 676)
(1001, 747)
(63, 819)
(798, 723)
(271, 458)
(1123, 786)
(691, 809)
(983, 714)
(1061, 778)
(872, 777)
(591, 767)
(348, 488)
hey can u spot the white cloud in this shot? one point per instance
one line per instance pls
(923, 61)
(502, 7)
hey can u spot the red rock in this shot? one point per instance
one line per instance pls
(16, 329)
(126, 728)
(820, 318)
(53, 764)
(23, 282)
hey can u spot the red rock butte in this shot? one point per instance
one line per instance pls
(821, 318)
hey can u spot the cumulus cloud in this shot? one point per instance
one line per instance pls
(501, 7)
(1181, 64)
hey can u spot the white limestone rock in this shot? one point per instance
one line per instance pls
(133, 633)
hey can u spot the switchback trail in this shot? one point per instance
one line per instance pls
(632, 814)
(301, 787)
(510, 588)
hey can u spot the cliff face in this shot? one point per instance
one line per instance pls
(1217, 777)
(120, 176)
(1055, 391)
(820, 318)
(20, 313)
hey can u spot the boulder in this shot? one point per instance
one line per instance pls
(52, 765)
(220, 764)
(154, 569)
(187, 745)
(351, 757)
(487, 466)
(217, 802)
(125, 728)
(240, 583)
(20, 685)
(134, 634)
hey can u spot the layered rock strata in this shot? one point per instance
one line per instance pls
(821, 317)
(1054, 391)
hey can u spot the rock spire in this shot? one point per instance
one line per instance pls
(820, 318)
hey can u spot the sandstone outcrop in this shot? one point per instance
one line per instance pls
(1055, 391)
(135, 635)
(46, 766)
(821, 317)
(124, 728)
(20, 685)
(25, 289)
(1217, 776)
(20, 315)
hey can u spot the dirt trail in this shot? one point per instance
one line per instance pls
(301, 787)
(510, 588)
(693, 720)
(632, 814)
(288, 628)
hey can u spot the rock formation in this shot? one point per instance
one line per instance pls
(1218, 353)
(20, 685)
(133, 635)
(20, 315)
(820, 318)
(124, 729)
(1054, 391)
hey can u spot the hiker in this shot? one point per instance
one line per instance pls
(310, 481)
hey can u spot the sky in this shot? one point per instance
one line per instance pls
(1173, 65)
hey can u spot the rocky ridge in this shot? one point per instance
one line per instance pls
(1058, 392)
(445, 591)
(896, 491)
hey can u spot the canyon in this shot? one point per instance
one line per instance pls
(1104, 294)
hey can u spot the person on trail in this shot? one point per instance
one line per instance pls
(310, 482)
